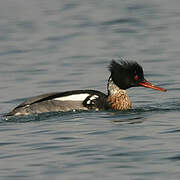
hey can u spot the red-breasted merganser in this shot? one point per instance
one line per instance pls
(124, 75)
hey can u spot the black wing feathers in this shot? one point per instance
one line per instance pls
(51, 96)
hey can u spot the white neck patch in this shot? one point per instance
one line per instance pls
(74, 97)
(114, 89)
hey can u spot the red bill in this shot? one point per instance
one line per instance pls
(147, 84)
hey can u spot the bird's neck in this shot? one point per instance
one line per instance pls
(117, 98)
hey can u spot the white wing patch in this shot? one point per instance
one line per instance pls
(92, 98)
(74, 97)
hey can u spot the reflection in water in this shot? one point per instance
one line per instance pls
(130, 121)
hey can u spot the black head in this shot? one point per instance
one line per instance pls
(126, 74)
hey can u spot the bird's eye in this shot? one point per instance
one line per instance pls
(136, 77)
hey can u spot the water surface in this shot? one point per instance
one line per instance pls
(50, 46)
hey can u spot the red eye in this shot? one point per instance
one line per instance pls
(136, 77)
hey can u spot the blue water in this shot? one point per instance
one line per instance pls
(50, 46)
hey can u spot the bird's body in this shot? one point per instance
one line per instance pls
(123, 76)
(63, 101)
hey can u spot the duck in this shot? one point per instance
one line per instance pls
(123, 75)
